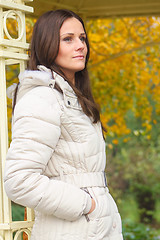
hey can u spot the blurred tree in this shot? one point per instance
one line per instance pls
(125, 69)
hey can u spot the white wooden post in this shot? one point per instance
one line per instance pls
(12, 51)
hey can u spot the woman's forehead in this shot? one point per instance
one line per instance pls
(72, 26)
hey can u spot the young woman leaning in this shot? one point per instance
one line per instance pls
(56, 160)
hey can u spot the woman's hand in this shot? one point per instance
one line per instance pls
(93, 206)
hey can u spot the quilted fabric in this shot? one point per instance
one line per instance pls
(56, 161)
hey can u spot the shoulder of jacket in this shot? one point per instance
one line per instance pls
(40, 76)
(41, 103)
(39, 93)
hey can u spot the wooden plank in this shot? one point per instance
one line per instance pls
(12, 55)
(16, 6)
(17, 225)
(13, 43)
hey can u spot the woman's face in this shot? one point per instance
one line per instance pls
(72, 49)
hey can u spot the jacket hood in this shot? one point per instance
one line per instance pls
(30, 79)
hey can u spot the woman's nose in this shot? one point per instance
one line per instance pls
(79, 44)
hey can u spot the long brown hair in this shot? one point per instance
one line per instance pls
(44, 50)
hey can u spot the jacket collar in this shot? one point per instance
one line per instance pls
(70, 98)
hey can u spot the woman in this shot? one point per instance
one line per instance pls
(56, 160)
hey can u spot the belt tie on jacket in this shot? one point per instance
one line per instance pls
(82, 180)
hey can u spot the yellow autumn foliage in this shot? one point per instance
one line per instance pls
(124, 69)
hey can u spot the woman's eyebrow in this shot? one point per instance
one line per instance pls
(72, 34)
(67, 34)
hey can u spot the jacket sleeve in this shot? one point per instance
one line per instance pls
(35, 133)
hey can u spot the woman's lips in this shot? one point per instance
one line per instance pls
(79, 57)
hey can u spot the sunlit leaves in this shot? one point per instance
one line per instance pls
(125, 68)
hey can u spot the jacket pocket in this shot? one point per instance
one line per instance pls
(92, 215)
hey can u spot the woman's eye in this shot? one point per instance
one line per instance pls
(70, 39)
(83, 39)
(67, 39)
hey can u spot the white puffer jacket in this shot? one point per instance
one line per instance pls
(56, 163)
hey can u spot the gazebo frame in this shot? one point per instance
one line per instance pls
(12, 51)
